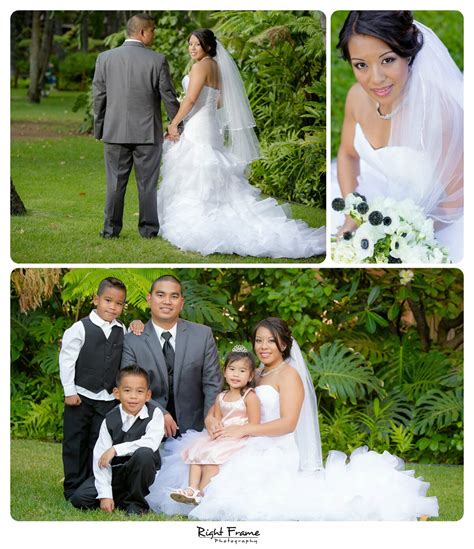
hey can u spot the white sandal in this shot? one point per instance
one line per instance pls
(181, 496)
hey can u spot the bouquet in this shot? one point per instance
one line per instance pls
(389, 231)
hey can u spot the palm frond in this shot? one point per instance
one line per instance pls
(438, 409)
(343, 373)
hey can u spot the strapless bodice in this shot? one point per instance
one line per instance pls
(269, 403)
(207, 98)
(398, 172)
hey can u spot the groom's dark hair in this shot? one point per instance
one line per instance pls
(167, 278)
(138, 22)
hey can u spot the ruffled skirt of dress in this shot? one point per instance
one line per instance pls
(206, 205)
(262, 482)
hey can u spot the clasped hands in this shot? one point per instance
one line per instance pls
(172, 133)
(216, 430)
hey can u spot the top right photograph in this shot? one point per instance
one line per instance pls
(397, 137)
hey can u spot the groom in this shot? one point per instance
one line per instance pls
(129, 84)
(180, 357)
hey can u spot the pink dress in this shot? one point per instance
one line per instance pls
(206, 451)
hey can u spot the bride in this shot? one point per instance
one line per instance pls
(205, 203)
(279, 474)
(402, 134)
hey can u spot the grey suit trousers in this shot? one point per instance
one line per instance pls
(119, 159)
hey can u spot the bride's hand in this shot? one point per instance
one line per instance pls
(349, 226)
(213, 425)
(173, 133)
(137, 327)
(232, 431)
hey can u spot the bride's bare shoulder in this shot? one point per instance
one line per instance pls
(357, 102)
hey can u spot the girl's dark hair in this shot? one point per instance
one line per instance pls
(233, 356)
(395, 28)
(207, 40)
(280, 331)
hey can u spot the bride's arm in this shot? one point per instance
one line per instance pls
(348, 167)
(197, 79)
(291, 400)
(347, 157)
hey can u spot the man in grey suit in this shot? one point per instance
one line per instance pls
(180, 357)
(129, 84)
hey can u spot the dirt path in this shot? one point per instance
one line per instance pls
(42, 130)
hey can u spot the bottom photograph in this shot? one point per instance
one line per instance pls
(227, 394)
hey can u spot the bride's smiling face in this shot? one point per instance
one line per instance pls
(266, 348)
(378, 69)
(196, 51)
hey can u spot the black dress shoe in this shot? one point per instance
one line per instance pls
(134, 509)
(107, 235)
(149, 236)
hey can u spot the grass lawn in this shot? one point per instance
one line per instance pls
(36, 487)
(60, 176)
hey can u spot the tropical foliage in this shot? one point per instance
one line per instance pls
(384, 347)
(281, 56)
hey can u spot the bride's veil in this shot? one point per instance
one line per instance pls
(430, 120)
(236, 118)
(308, 438)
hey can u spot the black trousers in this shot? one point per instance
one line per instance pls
(131, 482)
(81, 430)
(119, 159)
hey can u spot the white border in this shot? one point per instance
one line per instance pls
(273, 534)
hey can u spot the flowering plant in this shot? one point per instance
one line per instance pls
(389, 231)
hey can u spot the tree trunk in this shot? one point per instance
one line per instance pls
(84, 32)
(444, 328)
(41, 42)
(16, 203)
(418, 311)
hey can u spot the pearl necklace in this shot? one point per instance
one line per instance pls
(279, 367)
(389, 115)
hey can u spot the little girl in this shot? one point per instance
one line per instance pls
(237, 405)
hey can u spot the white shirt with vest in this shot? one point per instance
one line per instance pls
(73, 340)
(154, 433)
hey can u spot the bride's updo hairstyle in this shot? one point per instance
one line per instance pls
(207, 40)
(280, 331)
(395, 28)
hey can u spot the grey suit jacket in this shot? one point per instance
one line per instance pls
(129, 84)
(197, 374)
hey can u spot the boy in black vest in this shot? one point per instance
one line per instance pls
(89, 360)
(126, 455)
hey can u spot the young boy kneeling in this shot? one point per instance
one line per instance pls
(126, 455)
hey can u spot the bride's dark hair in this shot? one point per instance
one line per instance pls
(395, 28)
(207, 40)
(280, 331)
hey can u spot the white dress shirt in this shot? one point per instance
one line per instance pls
(73, 340)
(159, 330)
(154, 433)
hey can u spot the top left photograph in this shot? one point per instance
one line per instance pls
(168, 137)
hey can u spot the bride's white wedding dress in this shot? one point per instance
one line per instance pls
(205, 203)
(400, 173)
(423, 160)
(262, 482)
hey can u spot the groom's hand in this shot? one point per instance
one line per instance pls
(170, 426)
